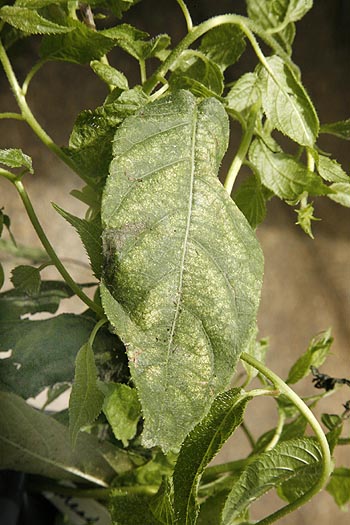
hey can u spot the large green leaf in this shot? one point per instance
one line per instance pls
(30, 22)
(244, 93)
(287, 104)
(35, 443)
(223, 45)
(289, 459)
(285, 176)
(251, 200)
(118, 7)
(199, 448)
(330, 170)
(182, 265)
(85, 402)
(43, 352)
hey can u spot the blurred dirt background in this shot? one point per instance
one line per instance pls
(307, 282)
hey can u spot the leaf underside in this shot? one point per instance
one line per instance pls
(181, 261)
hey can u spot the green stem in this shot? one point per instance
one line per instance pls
(96, 328)
(246, 25)
(186, 14)
(278, 431)
(248, 434)
(8, 175)
(143, 72)
(30, 76)
(51, 252)
(306, 412)
(242, 150)
(27, 114)
(15, 116)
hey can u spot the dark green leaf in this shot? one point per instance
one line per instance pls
(211, 509)
(80, 45)
(26, 279)
(294, 429)
(223, 45)
(244, 93)
(15, 158)
(90, 234)
(162, 503)
(122, 410)
(43, 352)
(170, 229)
(132, 509)
(305, 216)
(340, 193)
(199, 448)
(315, 355)
(287, 104)
(15, 302)
(30, 21)
(35, 443)
(251, 200)
(294, 459)
(118, 7)
(110, 75)
(340, 129)
(283, 174)
(196, 72)
(331, 421)
(330, 170)
(2, 276)
(85, 402)
(339, 487)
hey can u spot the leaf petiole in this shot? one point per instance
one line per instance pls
(186, 14)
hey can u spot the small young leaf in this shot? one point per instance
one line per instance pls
(163, 244)
(340, 193)
(35, 443)
(293, 459)
(15, 302)
(26, 279)
(122, 410)
(283, 174)
(80, 46)
(110, 75)
(339, 487)
(287, 104)
(30, 22)
(244, 93)
(305, 216)
(15, 158)
(195, 71)
(90, 234)
(86, 399)
(330, 170)
(315, 355)
(199, 448)
(251, 200)
(43, 352)
(331, 421)
(339, 129)
(223, 45)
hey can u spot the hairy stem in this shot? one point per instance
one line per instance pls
(186, 14)
(9, 114)
(51, 252)
(316, 427)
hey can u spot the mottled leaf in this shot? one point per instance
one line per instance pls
(270, 13)
(122, 410)
(90, 234)
(199, 448)
(43, 352)
(181, 261)
(339, 487)
(315, 355)
(30, 22)
(223, 45)
(287, 104)
(285, 176)
(26, 279)
(85, 402)
(290, 459)
(35, 443)
(15, 158)
(340, 193)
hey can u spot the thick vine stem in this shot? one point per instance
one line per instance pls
(316, 427)
(50, 251)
